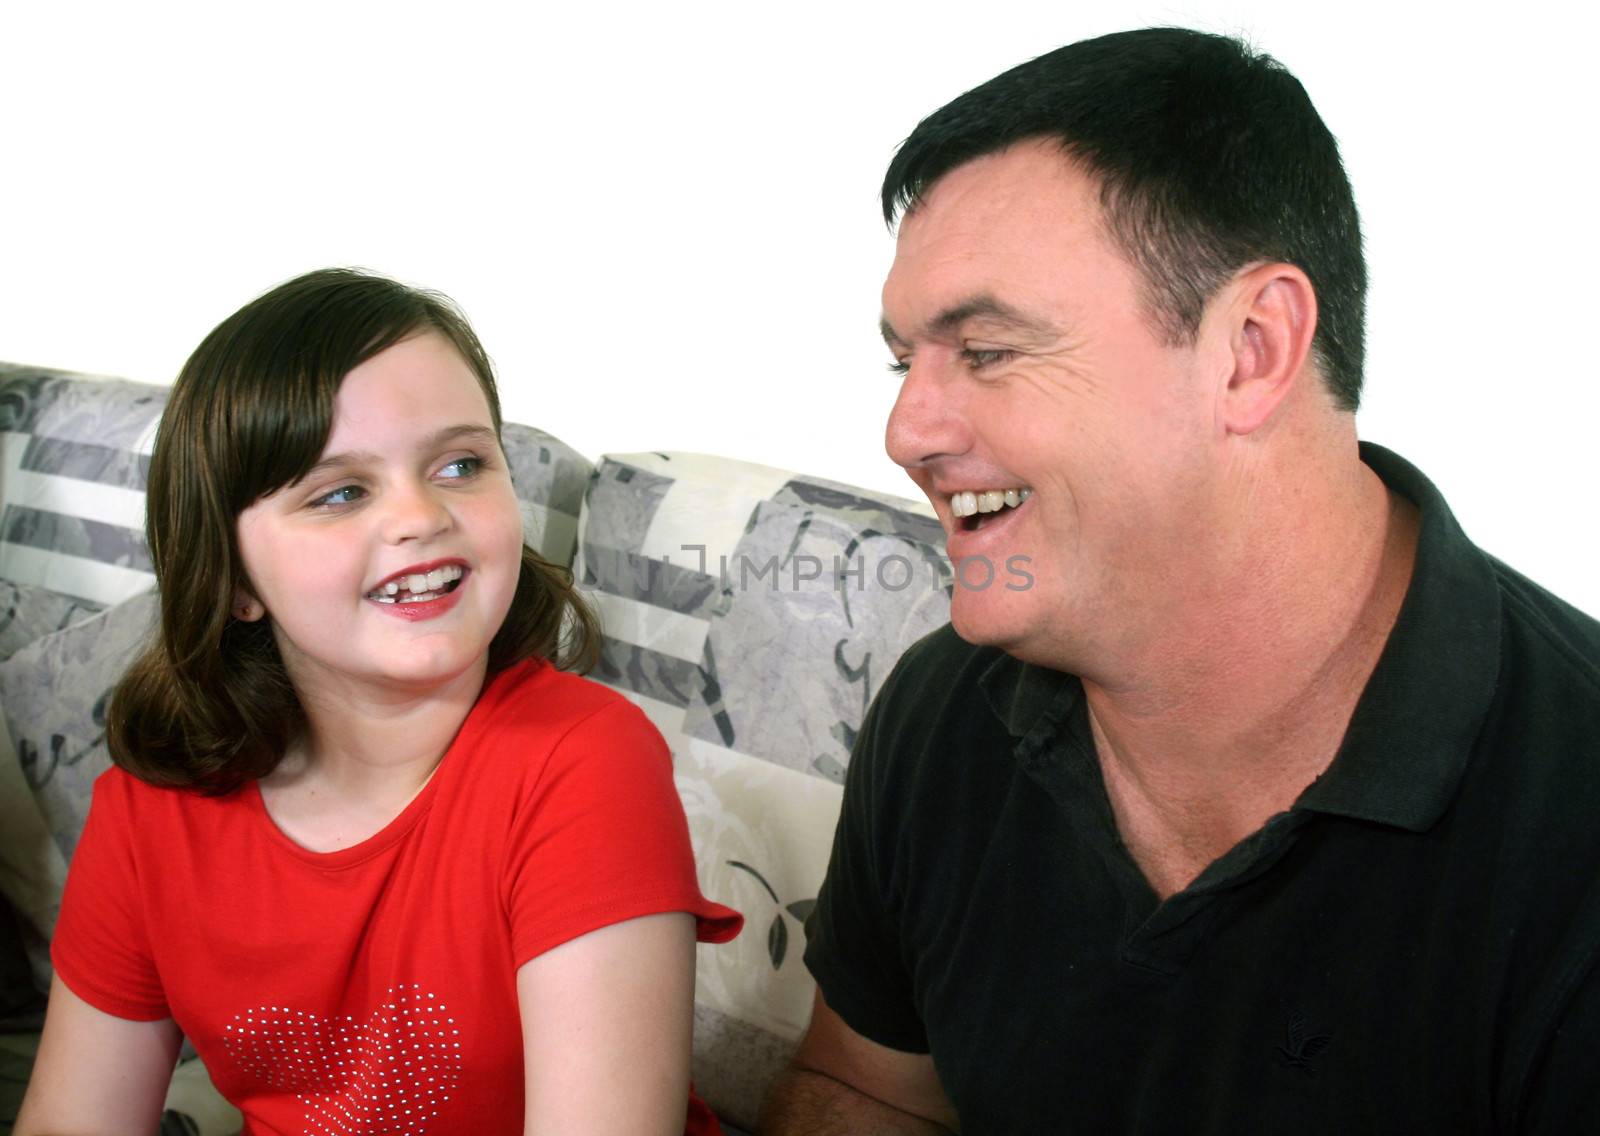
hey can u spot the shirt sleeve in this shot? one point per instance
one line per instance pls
(853, 946)
(101, 947)
(1564, 1093)
(600, 837)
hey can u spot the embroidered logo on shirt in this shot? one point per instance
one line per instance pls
(1302, 1047)
(391, 1073)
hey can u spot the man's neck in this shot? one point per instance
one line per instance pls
(1247, 701)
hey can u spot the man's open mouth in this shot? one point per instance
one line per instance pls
(972, 509)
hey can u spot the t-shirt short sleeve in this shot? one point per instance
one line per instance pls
(101, 946)
(600, 837)
(853, 944)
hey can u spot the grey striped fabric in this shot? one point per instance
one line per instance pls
(74, 454)
(74, 451)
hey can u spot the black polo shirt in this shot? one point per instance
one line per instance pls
(1409, 948)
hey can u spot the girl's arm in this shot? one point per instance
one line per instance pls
(606, 1024)
(96, 1073)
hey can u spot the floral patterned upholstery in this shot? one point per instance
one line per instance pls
(752, 613)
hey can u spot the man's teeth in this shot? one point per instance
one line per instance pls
(986, 501)
(419, 587)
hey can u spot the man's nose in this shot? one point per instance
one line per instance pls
(926, 421)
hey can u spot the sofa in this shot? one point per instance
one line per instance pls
(751, 612)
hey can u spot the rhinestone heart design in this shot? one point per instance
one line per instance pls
(389, 1075)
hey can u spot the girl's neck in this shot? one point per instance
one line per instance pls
(363, 756)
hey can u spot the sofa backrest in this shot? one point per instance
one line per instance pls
(74, 452)
(753, 613)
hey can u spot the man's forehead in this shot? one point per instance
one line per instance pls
(987, 237)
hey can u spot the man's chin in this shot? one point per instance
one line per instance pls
(982, 626)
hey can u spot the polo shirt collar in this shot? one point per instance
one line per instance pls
(1413, 728)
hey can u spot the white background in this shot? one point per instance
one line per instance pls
(663, 219)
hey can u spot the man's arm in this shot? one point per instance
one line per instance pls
(96, 1073)
(842, 1083)
(1564, 1092)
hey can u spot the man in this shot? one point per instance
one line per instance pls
(1268, 807)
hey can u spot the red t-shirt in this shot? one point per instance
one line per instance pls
(373, 989)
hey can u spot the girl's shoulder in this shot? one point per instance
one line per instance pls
(532, 719)
(535, 696)
(141, 812)
(120, 789)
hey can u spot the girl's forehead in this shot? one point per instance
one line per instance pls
(416, 387)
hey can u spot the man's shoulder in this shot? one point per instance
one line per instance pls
(1545, 721)
(1533, 786)
(942, 723)
(1544, 633)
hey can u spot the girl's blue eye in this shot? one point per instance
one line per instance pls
(344, 495)
(464, 467)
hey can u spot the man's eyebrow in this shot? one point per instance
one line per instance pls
(982, 306)
(985, 306)
(465, 432)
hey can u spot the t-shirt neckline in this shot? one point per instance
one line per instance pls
(362, 850)
(402, 823)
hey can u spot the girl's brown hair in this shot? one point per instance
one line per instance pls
(208, 705)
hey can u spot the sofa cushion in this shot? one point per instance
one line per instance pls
(28, 613)
(752, 613)
(54, 693)
(550, 477)
(21, 1000)
(32, 867)
(73, 458)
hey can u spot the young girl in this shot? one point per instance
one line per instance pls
(368, 845)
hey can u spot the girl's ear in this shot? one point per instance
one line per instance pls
(246, 608)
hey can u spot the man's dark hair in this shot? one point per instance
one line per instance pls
(1210, 157)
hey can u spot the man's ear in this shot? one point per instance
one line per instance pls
(246, 608)
(1270, 322)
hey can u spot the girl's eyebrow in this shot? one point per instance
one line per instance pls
(482, 435)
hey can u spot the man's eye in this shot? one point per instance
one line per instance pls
(979, 358)
(344, 495)
(899, 367)
(461, 467)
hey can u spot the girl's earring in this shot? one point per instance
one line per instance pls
(247, 610)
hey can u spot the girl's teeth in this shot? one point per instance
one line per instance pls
(422, 597)
(418, 586)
